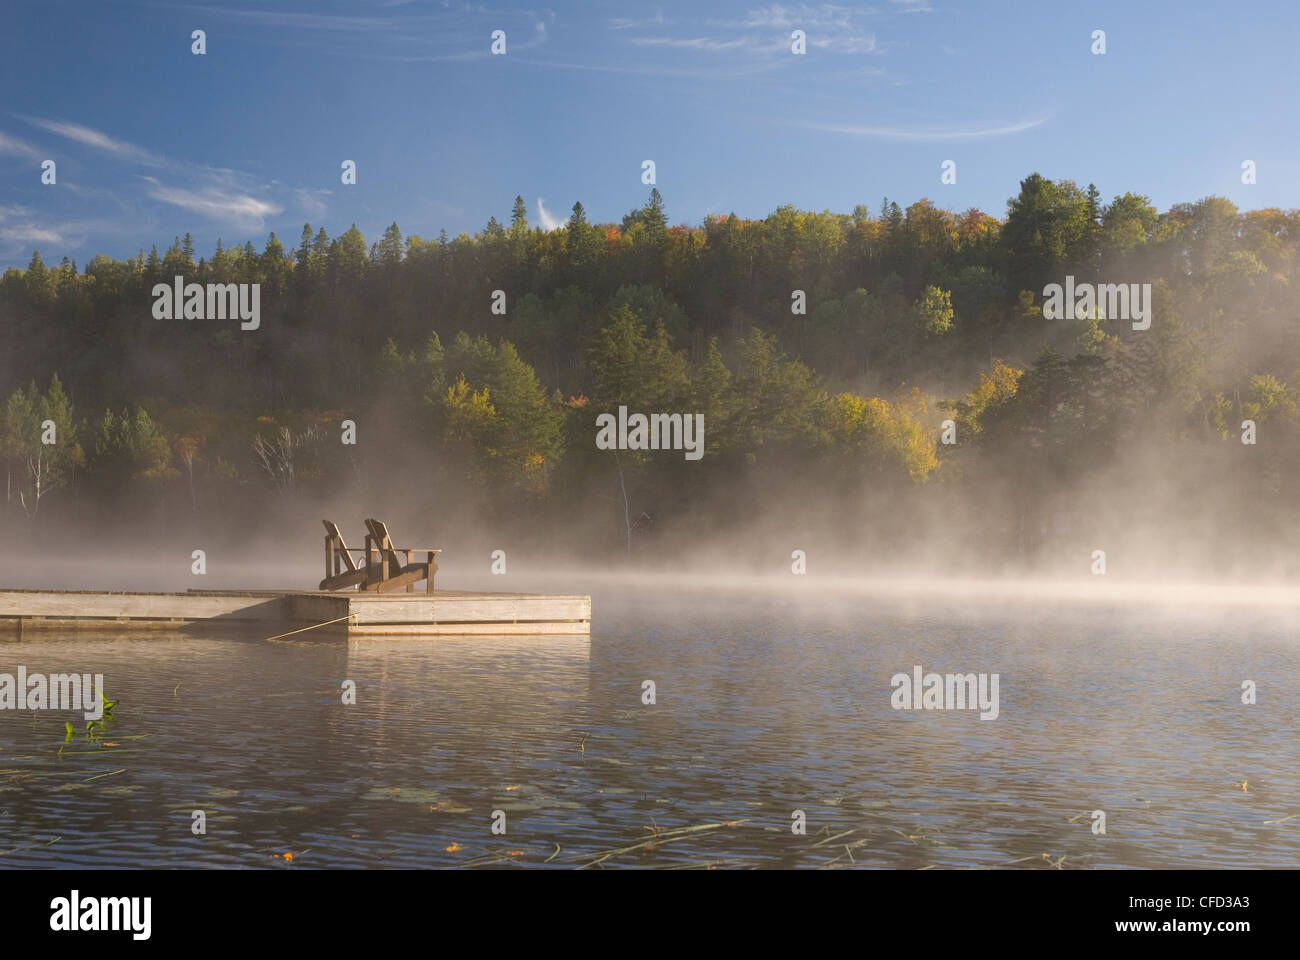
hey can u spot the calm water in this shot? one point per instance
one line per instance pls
(764, 706)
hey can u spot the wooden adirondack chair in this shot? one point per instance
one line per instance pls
(394, 568)
(340, 569)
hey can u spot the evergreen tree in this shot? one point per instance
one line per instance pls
(519, 216)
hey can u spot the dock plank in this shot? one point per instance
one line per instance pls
(439, 614)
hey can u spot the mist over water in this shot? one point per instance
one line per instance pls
(768, 701)
(834, 372)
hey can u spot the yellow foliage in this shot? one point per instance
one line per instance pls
(995, 388)
(883, 430)
(468, 411)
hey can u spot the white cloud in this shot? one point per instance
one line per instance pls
(235, 208)
(403, 33)
(312, 202)
(97, 139)
(849, 43)
(801, 17)
(30, 233)
(544, 217)
(900, 133)
(766, 30)
(624, 23)
(300, 21)
(18, 148)
(18, 227)
(691, 43)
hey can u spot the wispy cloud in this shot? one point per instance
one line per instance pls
(96, 139)
(913, 6)
(238, 209)
(402, 33)
(855, 43)
(930, 136)
(26, 233)
(624, 23)
(299, 21)
(312, 202)
(21, 229)
(17, 227)
(689, 72)
(803, 16)
(692, 43)
(828, 28)
(18, 148)
(224, 195)
(544, 217)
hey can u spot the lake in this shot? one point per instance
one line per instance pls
(766, 702)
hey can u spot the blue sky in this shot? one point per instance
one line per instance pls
(152, 141)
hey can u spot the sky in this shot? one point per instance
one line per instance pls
(152, 141)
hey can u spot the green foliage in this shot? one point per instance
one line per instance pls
(934, 312)
(778, 398)
(30, 420)
(129, 447)
(1049, 226)
(499, 408)
(632, 368)
(662, 318)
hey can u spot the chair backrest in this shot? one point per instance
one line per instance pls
(379, 533)
(332, 531)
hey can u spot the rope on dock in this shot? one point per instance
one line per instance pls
(305, 629)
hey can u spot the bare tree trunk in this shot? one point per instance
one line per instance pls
(627, 517)
(189, 468)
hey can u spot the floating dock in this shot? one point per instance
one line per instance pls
(356, 613)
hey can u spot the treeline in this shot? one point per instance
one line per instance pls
(825, 351)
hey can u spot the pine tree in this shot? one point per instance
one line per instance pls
(304, 245)
(390, 247)
(320, 251)
(582, 244)
(653, 216)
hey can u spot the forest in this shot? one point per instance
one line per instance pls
(830, 354)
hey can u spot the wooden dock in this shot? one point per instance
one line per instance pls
(445, 613)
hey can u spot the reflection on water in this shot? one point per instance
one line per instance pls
(764, 707)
